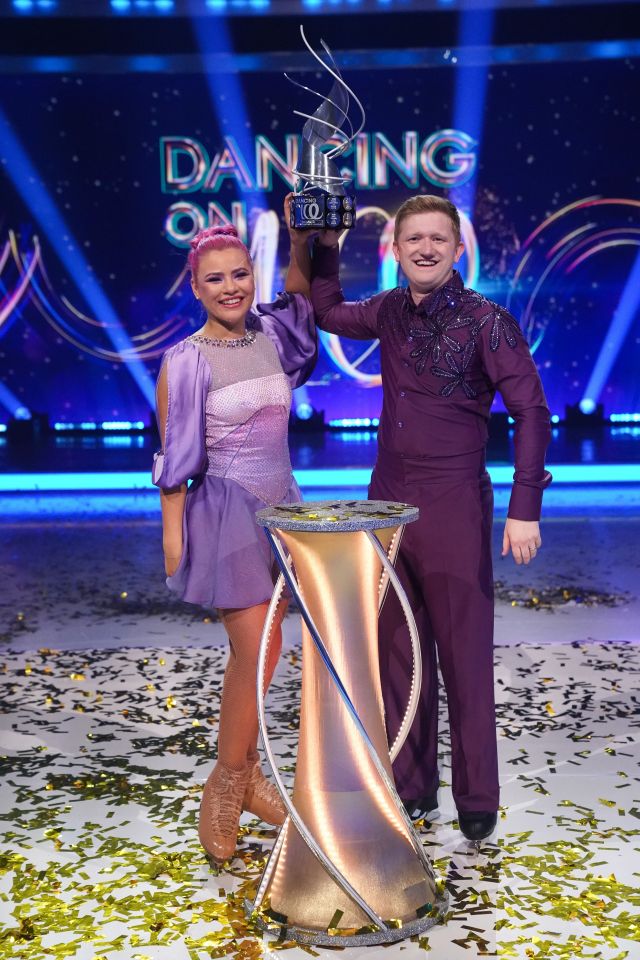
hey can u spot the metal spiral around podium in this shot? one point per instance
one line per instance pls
(347, 867)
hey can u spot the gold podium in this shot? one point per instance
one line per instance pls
(347, 867)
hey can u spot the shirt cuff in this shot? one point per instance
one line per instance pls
(325, 261)
(526, 500)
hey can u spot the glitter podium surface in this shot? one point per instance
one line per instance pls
(347, 867)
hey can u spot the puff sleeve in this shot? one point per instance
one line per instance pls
(289, 324)
(183, 454)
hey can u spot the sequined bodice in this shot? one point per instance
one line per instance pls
(247, 417)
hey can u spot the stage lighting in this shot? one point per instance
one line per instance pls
(40, 202)
(623, 318)
(304, 411)
(306, 419)
(577, 416)
(25, 427)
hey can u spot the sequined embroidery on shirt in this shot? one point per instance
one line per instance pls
(434, 338)
(503, 325)
(452, 308)
(457, 373)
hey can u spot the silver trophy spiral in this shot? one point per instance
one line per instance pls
(321, 198)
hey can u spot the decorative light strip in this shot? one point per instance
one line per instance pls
(419, 58)
(105, 425)
(625, 418)
(355, 422)
(326, 479)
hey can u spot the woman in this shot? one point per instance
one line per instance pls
(224, 396)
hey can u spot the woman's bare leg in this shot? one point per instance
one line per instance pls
(234, 783)
(238, 727)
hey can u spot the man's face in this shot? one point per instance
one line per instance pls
(426, 250)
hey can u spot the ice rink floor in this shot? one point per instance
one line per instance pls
(109, 714)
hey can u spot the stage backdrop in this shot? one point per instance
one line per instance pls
(106, 177)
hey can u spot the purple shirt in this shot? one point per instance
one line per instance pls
(442, 362)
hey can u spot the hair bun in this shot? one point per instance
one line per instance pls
(214, 238)
(227, 230)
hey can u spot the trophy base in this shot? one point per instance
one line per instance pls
(365, 937)
(322, 211)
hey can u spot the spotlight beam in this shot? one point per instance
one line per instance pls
(623, 317)
(225, 89)
(11, 403)
(475, 28)
(36, 197)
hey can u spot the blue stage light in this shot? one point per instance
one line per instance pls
(36, 197)
(475, 30)
(148, 63)
(121, 6)
(23, 6)
(9, 401)
(325, 479)
(625, 418)
(226, 93)
(122, 425)
(51, 64)
(587, 405)
(622, 319)
(304, 411)
(555, 418)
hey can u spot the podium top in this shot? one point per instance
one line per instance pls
(337, 516)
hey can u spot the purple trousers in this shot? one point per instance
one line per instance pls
(445, 566)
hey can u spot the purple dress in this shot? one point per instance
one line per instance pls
(227, 427)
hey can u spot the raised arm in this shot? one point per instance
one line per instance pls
(510, 367)
(357, 319)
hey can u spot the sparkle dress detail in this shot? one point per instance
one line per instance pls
(227, 426)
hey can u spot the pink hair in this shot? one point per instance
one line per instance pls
(214, 238)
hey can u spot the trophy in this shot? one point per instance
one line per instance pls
(320, 198)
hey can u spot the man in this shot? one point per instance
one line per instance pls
(445, 350)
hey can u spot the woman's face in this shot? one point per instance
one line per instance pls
(225, 285)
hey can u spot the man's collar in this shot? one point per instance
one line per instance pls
(450, 290)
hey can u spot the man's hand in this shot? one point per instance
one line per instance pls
(299, 238)
(522, 537)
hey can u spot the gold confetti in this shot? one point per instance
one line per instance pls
(100, 881)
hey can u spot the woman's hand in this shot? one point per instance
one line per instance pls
(522, 537)
(171, 564)
(172, 556)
